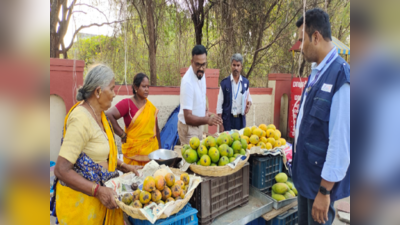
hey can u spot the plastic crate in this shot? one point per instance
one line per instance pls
(217, 195)
(52, 165)
(290, 217)
(263, 170)
(187, 216)
(258, 221)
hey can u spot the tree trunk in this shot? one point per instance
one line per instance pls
(339, 36)
(54, 45)
(198, 20)
(260, 37)
(55, 7)
(152, 42)
(301, 69)
(199, 33)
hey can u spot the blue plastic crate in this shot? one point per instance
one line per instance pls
(187, 216)
(263, 170)
(52, 164)
(288, 218)
(258, 221)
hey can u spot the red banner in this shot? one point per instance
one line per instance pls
(297, 87)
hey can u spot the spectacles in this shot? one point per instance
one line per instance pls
(198, 65)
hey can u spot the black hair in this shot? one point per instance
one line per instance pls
(199, 50)
(137, 80)
(317, 20)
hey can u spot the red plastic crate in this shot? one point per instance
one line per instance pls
(217, 195)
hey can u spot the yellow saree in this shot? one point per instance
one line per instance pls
(74, 207)
(141, 137)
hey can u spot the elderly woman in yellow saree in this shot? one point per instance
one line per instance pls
(141, 135)
(88, 157)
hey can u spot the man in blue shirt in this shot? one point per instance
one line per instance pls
(321, 164)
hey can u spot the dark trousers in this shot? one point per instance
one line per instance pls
(236, 122)
(305, 208)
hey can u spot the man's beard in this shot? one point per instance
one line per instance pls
(200, 74)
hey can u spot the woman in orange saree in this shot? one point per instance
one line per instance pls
(141, 135)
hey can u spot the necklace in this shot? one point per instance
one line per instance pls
(139, 103)
(92, 110)
(94, 114)
(101, 127)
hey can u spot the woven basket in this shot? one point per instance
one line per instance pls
(218, 171)
(137, 214)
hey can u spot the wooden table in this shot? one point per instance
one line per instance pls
(276, 212)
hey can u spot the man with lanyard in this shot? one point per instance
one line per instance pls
(193, 112)
(321, 164)
(234, 99)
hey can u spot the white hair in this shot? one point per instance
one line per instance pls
(99, 76)
(237, 57)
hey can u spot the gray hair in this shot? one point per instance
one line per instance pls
(237, 57)
(98, 76)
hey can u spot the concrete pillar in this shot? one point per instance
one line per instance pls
(281, 84)
(66, 76)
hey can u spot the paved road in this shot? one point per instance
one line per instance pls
(337, 221)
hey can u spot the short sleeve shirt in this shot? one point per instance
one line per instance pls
(127, 109)
(192, 95)
(83, 134)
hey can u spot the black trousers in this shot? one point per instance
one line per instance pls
(236, 122)
(304, 212)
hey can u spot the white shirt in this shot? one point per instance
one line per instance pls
(240, 102)
(193, 95)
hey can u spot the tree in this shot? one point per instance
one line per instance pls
(198, 15)
(230, 26)
(60, 16)
(267, 17)
(148, 7)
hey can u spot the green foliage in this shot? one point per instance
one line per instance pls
(229, 28)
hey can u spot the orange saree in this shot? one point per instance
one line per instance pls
(141, 137)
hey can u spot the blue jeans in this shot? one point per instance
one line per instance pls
(305, 208)
(236, 122)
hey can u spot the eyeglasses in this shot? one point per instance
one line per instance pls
(198, 65)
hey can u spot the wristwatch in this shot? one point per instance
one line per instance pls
(324, 191)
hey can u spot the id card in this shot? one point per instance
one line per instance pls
(234, 108)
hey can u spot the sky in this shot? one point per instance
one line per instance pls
(92, 16)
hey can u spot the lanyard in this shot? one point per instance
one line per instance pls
(312, 83)
(237, 89)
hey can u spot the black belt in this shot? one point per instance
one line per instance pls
(239, 115)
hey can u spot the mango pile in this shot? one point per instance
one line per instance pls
(266, 137)
(283, 189)
(159, 189)
(217, 151)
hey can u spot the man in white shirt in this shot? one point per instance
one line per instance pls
(234, 100)
(193, 112)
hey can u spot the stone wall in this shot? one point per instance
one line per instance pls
(261, 110)
(57, 115)
(67, 75)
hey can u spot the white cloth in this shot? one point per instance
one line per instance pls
(240, 102)
(193, 95)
